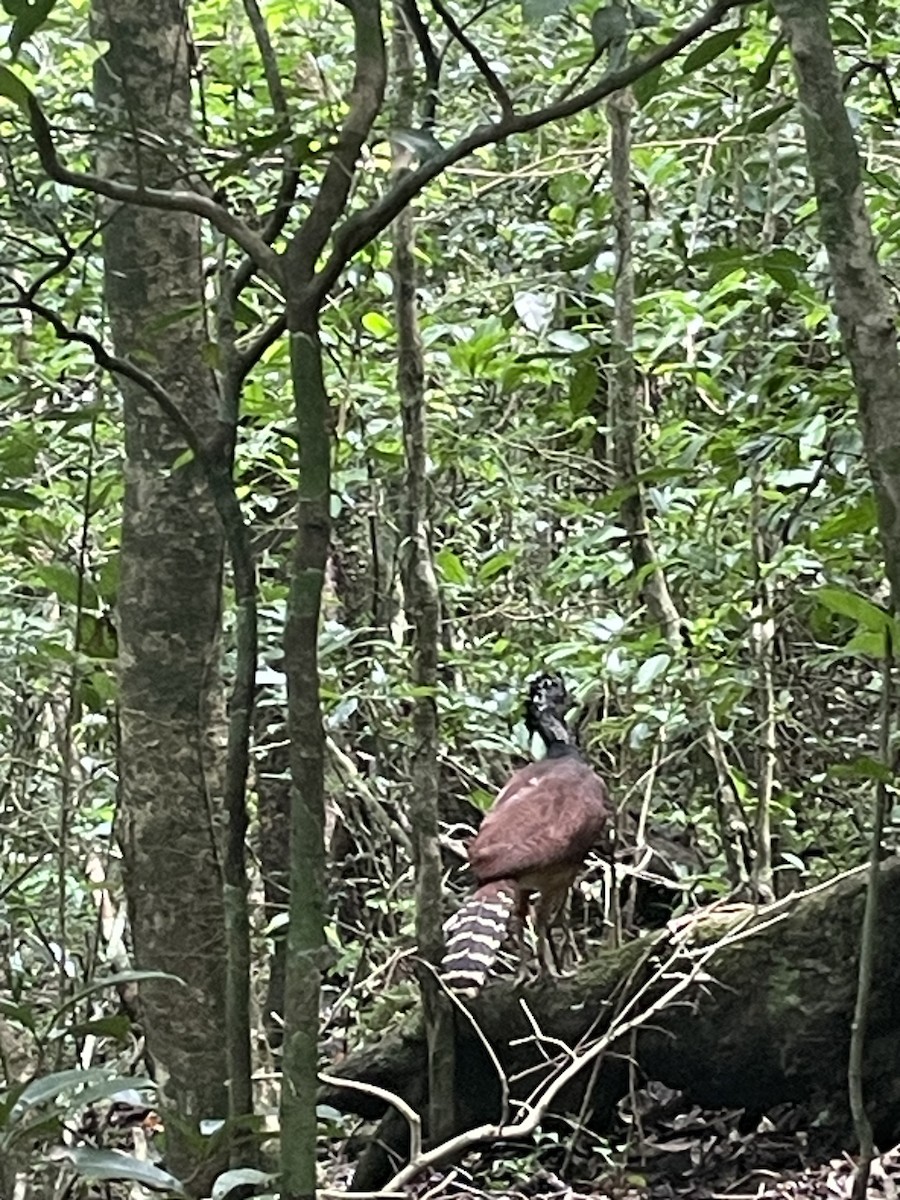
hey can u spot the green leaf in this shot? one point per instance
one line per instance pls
(12, 87)
(377, 324)
(650, 670)
(19, 499)
(116, 1026)
(858, 608)
(450, 566)
(29, 17)
(48, 1087)
(767, 117)
(420, 142)
(64, 582)
(113, 1164)
(18, 1012)
(646, 87)
(496, 564)
(583, 388)
(864, 767)
(568, 339)
(763, 72)
(114, 981)
(711, 48)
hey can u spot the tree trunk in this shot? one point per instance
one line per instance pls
(770, 1024)
(861, 300)
(423, 611)
(305, 940)
(169, 598)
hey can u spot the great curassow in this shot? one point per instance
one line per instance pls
(534, 839)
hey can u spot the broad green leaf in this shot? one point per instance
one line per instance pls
(535, 309)
(113, 1164)
(711, 48)
(650, 670)
(29, 17)
(114, 981)
(22, 1013)
(420, 142)
(450, 566)
(12, 87)
(377, 324)
(583, 388)
(496, 564)
(19, 498)
(568, 339)
(65, 583)
(647, 86)
(767, 117)
(851, 604)
(864, 767)
(48, 1087)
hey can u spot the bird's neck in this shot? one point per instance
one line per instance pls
(555, 735)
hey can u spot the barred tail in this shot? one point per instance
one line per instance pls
(475, 934)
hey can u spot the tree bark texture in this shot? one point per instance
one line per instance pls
(305, 939)
(172, 548)
(861, 299)
(771, 1024)
(422, 602)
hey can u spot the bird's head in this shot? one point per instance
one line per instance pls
(547, 697)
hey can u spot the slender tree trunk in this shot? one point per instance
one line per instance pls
(626, 421)
(423, 611)
(868, 332)
(305, 941)
(169, 599)
(861, 300)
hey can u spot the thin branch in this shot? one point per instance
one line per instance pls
(489, 75)
(290, 174)
(112, 362)
(358, 230)
(150, 197)
(372, 1089)
(430, 59)
(364, 106)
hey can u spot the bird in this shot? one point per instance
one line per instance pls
(535, 839)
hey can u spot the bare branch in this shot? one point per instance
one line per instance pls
(364, 106)
(691, 969)
(455, 29)
(150, 197)
(290, 174)
(112, 362)
(357, 231)
(430, 59)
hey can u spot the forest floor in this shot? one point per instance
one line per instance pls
(695, 1154)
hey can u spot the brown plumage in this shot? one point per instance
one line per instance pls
(534, 840)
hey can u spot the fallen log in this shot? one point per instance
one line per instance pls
(767, 1020)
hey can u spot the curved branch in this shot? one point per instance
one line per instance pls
(149, 197)
(290, 175)
(366, 96)
(488, 74)
(357, 231)
(430, 59)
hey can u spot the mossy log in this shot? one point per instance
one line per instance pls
(768, 1022)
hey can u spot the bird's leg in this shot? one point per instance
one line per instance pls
(552, 958)
(517, 928)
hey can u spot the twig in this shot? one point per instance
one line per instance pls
(487, 72)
